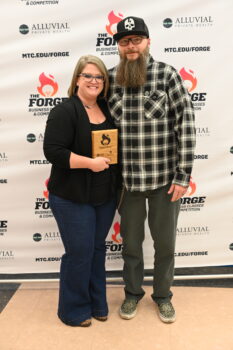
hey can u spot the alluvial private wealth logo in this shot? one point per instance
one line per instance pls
(203, 131)
(41, 103)
(24, 29)
(45, 28)
(3, 227)
(42, 207)
(188, 22)
(114, 246)
(190, 80)
(231, 246)
(231, 150)
(3, 157)
(40, 2)
(105, 44)
(46, 236)
(194, 231)
(37, 237)
(31, 138)
(6, 254)
(167, 22)
(3, 181)
(191, 202)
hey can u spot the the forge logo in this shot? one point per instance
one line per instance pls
(190, 81)
(3, 227)
(190, 202)
(46, 192)
(116, 236)
(48, 86)
(189, 78)
(41, 104)
(105, 44)
(40, 2)
(42, 207)
(113, 20)
(114, 246)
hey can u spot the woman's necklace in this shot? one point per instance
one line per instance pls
(89, 106)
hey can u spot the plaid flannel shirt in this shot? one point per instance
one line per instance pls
(156, 128)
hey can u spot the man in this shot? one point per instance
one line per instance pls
(155, 117)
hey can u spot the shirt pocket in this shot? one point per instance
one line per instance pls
(156, 105)
(115, 105)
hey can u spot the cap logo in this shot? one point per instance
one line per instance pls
(129, 24)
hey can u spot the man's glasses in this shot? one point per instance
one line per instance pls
(90, 77)
(135, 40)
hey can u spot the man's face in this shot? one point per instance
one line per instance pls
(131, 51)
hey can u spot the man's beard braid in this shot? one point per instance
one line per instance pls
(132, 73)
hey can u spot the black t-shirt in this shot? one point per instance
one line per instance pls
(101, 190)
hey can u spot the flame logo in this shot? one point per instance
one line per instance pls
(192, 188)
(46, 193)
(113, 20)
(116, 228)
(105, 140)
(48, 86)
(189, 78)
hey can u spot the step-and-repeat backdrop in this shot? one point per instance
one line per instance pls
(41, 42)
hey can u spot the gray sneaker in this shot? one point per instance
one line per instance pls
(128, 309)
(167, 312)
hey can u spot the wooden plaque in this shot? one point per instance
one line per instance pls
(105, 144)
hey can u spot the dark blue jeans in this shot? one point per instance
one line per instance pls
(83, 230)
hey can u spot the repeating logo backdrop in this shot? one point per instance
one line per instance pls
(40, 47)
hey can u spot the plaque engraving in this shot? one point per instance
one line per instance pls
(105, 144)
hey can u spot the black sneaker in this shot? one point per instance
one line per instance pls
(167, 312)
(128, 309)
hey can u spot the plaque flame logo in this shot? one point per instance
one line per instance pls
(105, 140)
(189, 78)
(113, 20)
(48, 86)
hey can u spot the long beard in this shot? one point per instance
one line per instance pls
(132, 73)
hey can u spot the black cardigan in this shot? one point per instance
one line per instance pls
(68, 130)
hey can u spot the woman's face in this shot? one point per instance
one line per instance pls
(90, 82)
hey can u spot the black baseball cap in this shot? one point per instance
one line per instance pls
(130, 26)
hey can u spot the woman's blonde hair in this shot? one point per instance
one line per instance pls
(82, 62)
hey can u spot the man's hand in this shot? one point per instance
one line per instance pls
(178, 191)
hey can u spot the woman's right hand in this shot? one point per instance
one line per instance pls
(99, 164)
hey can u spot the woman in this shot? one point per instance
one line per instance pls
(81, 192)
